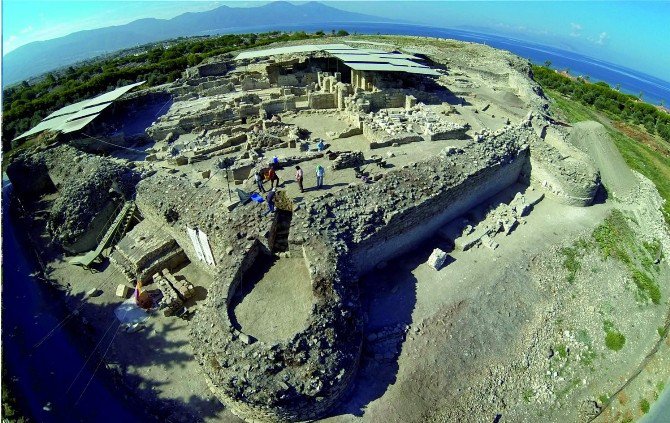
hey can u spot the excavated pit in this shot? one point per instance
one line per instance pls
(274, 299)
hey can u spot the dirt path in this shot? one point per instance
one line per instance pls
(592, 138)
(483, 289)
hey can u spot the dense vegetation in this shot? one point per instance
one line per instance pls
(26, 104)
(602, 97)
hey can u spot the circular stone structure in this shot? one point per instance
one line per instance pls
(296, 379)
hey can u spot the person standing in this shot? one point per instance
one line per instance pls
(273, 177)
(298, 178)
(320, 172)
(258, 177)
(270, 197)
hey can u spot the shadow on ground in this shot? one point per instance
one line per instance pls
(388, 299)
(62, 367)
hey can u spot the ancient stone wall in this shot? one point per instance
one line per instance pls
(208, 69)
(378, 221)
(279, 105)
(289, 80)
(321, 100)
(173, 203)
(565, 172)
(250, 83)
(406, 230)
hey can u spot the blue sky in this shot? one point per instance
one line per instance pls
(635, 34)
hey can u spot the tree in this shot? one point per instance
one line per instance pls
(320, 33)
(547, 63)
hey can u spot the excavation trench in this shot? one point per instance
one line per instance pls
(274, 299)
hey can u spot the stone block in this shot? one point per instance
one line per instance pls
(437, 259)
(123, 291)
(534, 197)
(468, 241)
(488, 242)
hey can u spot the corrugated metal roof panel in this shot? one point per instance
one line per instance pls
(305, 48)
(112, 95)
(76, 124)
(73, 115)
(355, 58)
(88, 111)
(384, 67)
(372, 58)
(72, 108)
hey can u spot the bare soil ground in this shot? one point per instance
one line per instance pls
(274, 300)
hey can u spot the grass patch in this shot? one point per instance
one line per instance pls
(571, 257)
(562, 351)
(571, 262)
(644, 159)
(528, 394)
(644, 405)
(647, 288)
(614, 340)
(661, 331)
(615, 238)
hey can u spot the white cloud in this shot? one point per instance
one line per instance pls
(26, 29)
(8, 43)
(576, 30)
(602, 38)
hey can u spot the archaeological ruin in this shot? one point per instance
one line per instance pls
(408, 151)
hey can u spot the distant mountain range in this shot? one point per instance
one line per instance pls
(42, 56)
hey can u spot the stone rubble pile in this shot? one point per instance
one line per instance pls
(86, 184)
(501, 219)
(415, 124)
(175, 292)
(348, 159)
